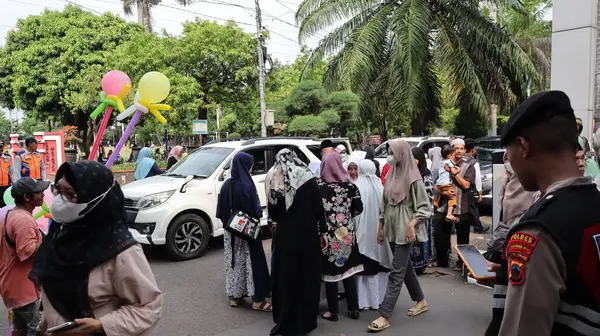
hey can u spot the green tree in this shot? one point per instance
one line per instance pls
(394, 47)
(52, 64)
(330, 117)
(307, 125)
(31, 125)
(533, 33)
(307, 98)
(5, 128)
(144, 9)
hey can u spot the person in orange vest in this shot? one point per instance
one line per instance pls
(30, 163)
(7, 172)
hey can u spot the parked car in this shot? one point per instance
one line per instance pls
(178, 209)
(489, 142)
(424, 143)
(484, 156)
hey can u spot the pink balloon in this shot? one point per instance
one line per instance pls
(114, 81)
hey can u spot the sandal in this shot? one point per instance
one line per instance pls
(377, 327)
(234, 303)
(331, 317)
(415, 311)
(263, 306)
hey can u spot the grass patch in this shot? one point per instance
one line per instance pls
(131, 166)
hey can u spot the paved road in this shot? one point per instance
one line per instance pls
(195, 304)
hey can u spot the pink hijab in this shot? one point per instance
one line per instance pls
(176, 152)
(401, 176)
(332, 169)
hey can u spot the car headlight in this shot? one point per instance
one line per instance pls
(153, 200)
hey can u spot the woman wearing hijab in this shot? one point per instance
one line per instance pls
(421, 253)
(435, 155)
(296, 211)
(376, 259)
(174, 156)
(246, 270)
(91, 270)
(341, 149)
(371, 156)
(145, 166)
(341, 201)
(406, 206)
(353, 169)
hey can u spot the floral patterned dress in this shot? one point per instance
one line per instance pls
(341, 202)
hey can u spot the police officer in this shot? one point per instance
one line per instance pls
(7, 172)
(553, 252)
(30, 163)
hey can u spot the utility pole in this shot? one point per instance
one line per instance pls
(261, 72)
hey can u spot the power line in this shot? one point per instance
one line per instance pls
(84, 7)
(32, 4)
(208, 16)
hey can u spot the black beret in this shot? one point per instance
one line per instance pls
(541, 106)
(469, 144)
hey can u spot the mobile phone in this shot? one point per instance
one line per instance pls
(474, 261)
(63, 327)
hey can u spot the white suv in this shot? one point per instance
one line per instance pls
(178, 209)
(425, 143)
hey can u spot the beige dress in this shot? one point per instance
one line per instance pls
(123, 296)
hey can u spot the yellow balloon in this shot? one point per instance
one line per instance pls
(154, 87)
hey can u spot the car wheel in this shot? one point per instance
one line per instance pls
(187, 237)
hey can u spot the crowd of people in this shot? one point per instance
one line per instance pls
(342, 225)
(338, 222)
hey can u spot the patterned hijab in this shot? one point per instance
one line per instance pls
(401, 176)
(286, 176)
(332, 169)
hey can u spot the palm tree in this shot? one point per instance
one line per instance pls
(144, 9)
(395, 46)
(534, 35)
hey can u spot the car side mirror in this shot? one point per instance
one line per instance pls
(185, 182)
(224, 175)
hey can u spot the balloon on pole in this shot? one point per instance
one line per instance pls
(115, 86)
(154, 87)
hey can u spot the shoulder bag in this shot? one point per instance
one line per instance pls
(240, 223)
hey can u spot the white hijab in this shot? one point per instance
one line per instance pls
(371, 194)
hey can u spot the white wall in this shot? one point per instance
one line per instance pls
(574, 34)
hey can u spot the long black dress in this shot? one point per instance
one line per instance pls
(296, 268)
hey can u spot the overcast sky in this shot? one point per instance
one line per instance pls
(278, 17)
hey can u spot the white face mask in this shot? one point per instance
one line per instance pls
(508, 167)
(66, 212)
(391, 160)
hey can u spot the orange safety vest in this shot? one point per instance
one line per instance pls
(5, 163)
(31, 165)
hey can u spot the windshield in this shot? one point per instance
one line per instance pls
(381, 151)
(201, 162)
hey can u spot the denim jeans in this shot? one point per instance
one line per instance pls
(26, 319)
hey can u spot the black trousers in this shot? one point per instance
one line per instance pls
(331, 289)
(2, 190)
(443, 231)
(474, 212)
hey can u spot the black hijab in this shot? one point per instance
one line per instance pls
(419, 154)
(371, 156)
(70, 251)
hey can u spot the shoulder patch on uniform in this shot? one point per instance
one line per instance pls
(520, 246)
(516, 271)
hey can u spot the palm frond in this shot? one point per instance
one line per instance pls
(329, 14)
(128, 7)
(340, 38)
(411, 25)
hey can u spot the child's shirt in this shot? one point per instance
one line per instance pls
(444, 176)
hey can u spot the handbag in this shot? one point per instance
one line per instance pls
(240, 223)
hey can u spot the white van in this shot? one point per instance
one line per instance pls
(178, 209)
